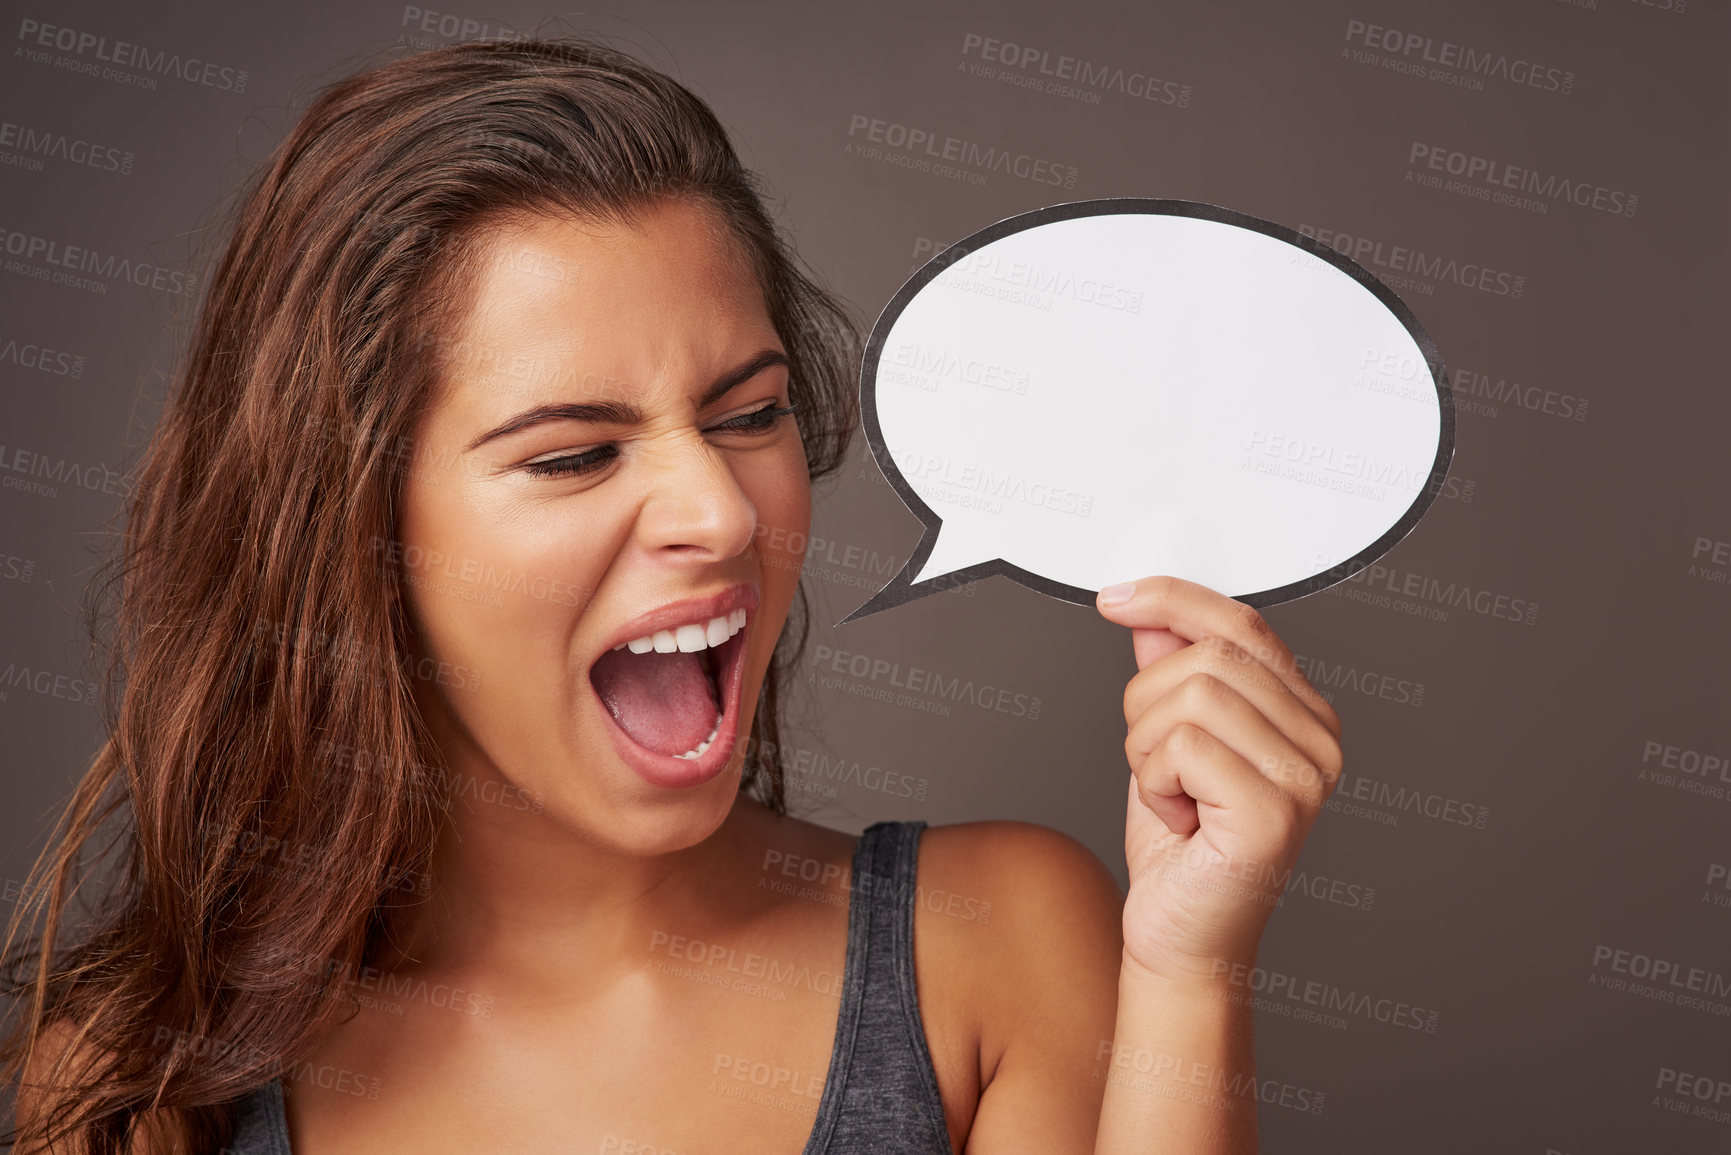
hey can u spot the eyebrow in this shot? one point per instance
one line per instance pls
(623, 412)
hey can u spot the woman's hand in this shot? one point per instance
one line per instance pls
(1232, 753)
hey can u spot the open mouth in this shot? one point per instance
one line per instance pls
(674, 693)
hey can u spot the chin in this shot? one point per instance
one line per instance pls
(662, 821)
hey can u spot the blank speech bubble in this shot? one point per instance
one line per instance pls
(1104, 390)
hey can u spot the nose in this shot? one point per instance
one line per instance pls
(695, 509)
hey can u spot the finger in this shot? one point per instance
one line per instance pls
(1217, 708)
(1194, 612)
(1191, 761)
(1222, 659)
(1152, 645)
(1177, 811)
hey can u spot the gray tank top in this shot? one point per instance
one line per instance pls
(881, 1092)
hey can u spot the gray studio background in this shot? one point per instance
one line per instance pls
(1531, 841)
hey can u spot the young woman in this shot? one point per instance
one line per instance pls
(451, 619)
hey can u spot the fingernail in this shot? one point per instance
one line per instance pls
(1113, 595)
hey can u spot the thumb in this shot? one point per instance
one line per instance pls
(1149, 643)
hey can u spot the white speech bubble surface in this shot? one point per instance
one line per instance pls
(1099, 391)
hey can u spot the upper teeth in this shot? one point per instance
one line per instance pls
(689, 638)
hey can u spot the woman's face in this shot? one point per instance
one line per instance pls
(592, 473)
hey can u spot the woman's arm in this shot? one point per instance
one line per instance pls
(1232, 754)
(1039, 979)
(1080, 1050)
(1114, 1023)
(1182, 1072)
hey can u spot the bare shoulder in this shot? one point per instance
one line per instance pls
(1039, 964)
(54, 1061)
(1051, 898)
(61, 1058)
(1039, 870)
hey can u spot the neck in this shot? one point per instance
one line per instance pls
(520, 894)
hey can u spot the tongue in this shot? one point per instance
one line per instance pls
(666, 702)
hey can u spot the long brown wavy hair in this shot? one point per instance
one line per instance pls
(253, 623)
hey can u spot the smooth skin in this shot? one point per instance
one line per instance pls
(598, 957)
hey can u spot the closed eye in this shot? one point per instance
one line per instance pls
(758, 421)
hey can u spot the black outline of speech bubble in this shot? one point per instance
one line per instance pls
(901, 589)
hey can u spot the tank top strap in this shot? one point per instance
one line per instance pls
(882, 1067)
(260, 1124)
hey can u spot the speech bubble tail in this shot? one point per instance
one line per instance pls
(911, 582)
(882, 600)
(948, 553)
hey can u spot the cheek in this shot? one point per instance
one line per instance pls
(494, 587)
(782, 497)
